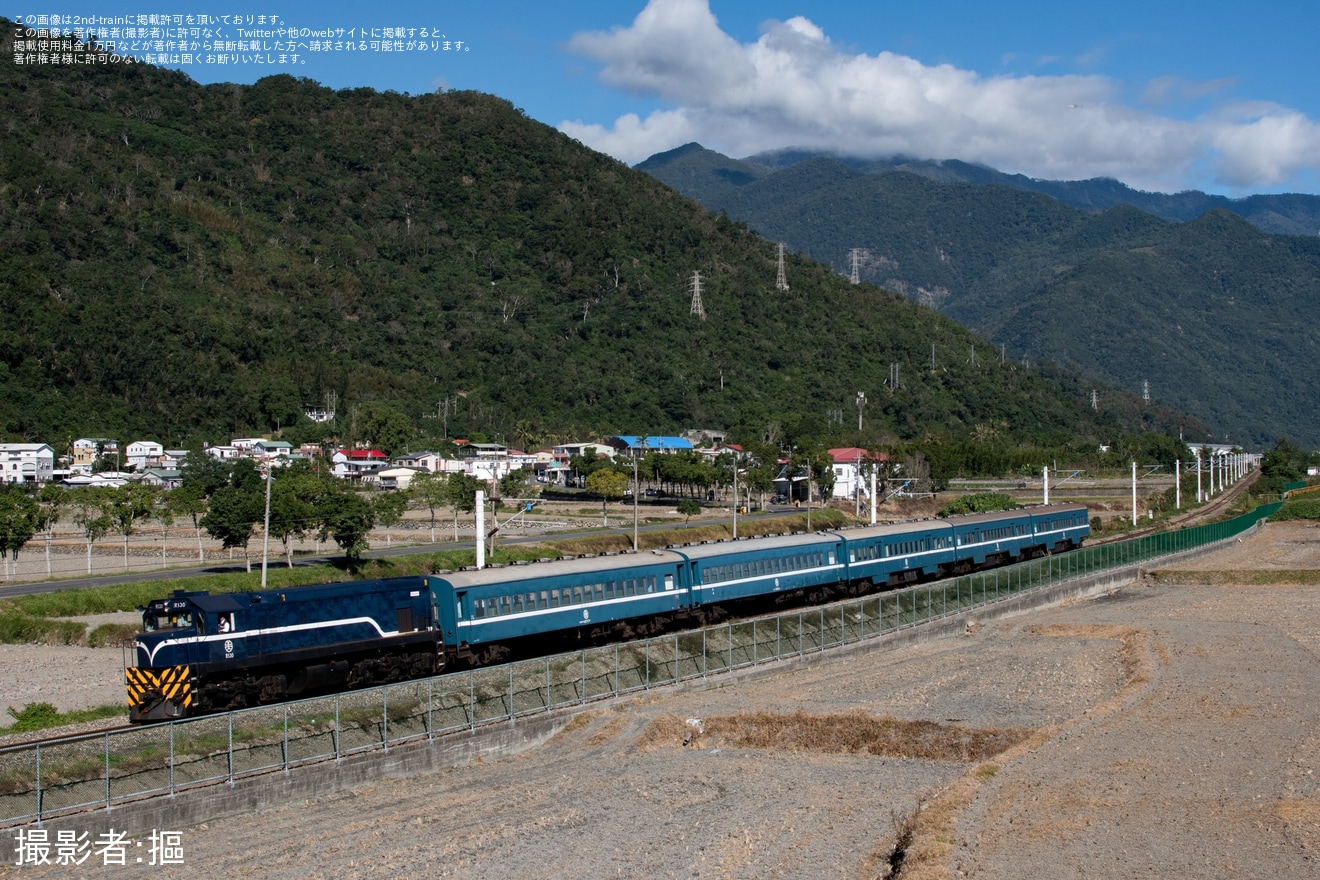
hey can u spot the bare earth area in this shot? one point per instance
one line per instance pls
(1171, 729)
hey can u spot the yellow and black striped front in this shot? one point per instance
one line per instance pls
(158, 695)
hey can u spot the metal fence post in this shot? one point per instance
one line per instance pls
(107, 768)
(172, 758)
(40, 793)
(705, 655)
(230, 718)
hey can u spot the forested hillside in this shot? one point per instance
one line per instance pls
(1214, 314)
(192, 262)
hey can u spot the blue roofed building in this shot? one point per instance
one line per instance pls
(633, 446)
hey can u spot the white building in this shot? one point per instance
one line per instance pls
(26, 462)
(142, 454)
(852, 470)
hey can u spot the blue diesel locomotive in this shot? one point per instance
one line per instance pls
(200, 653)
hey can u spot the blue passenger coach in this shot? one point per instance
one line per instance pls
(727, 571)
(897, 553)
(483, 610)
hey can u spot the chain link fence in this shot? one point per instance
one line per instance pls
(41, 780)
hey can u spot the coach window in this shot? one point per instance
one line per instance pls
(577, 595)
(506, 605)
(517, 603)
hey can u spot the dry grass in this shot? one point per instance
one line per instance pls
(854, 733)
(1248, 578)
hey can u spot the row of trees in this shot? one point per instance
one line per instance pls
(227, 501)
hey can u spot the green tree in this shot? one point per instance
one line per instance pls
(203, 474)
(294, 492)
(514, 483)
(232, 517)
(389, 506)
(347, 518)
(387, 429)
(761, 463)
(127, 506)
(92, 516)
(461, 494)
(432, 491)
(1283, 464)
(189, 500)
(689, 508)
(610, 485)
(19, 520)
(54, 500)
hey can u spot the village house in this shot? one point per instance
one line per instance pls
(87, 449)
(26, 462)
(143, 454)
(852, 471)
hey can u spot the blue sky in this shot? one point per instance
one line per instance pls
(1161, 95)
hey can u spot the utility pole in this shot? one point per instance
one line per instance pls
(861, 403)
(265, 540)
(1134, 493)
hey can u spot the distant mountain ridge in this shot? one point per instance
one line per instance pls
(1282, 213)
(1212, 314)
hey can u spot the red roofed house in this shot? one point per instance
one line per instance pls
(851, 471)
(351, 464)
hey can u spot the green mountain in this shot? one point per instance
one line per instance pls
(1211, 315)
(191, 262)
(1282, 213)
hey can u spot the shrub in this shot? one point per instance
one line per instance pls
(981, 502)
(34, 716)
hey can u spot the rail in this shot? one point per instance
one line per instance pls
(42, 780)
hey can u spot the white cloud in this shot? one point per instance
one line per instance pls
(793, 87)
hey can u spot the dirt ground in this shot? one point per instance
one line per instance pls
(1171, 729)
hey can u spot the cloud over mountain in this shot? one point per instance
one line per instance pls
(794, 87)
